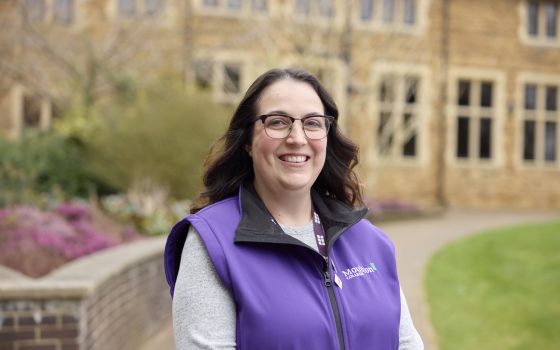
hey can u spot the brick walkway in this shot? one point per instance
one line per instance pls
(416, 241)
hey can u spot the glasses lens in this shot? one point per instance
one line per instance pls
(277, 126)
(315, 127)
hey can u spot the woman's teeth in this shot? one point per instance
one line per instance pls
(295, 159)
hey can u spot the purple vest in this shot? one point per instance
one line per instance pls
(285, 293)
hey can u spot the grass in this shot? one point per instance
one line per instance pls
(498, 290)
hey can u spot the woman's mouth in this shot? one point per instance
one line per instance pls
(294, 159)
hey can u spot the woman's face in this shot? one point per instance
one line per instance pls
(292, 163)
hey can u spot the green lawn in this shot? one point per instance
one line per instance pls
(498, 290)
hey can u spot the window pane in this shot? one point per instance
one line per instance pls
(35, 9)
(232, 79)
(210, 3)
(411, 90)
(533, 17)
(485, 150)
(153, 7)
(127, 8)
(384, 145)
(302, 7)
(530, 96)
(409, 149)
(550, 142)
(463, 137)
(325, 8)
(551, 9)
(234, 4)
(64, 11)
(260, 5)
(464, 93)
(486, 95)
(409, 11)
(529, 140)
(203, 74)
(388, 10)
(31, 111)
(366, 10)
(551, 98)
(386, 91)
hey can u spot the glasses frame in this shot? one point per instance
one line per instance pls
(329, 121)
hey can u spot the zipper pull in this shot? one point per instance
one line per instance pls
(327, 277)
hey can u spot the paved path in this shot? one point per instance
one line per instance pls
(416, 241)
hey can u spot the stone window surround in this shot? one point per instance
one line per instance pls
(17, 95)
(219, 60)
(540, 80)
(423, 110)
(397, 25)
(541, 39)
(498, 79)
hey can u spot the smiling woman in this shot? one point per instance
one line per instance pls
(271, 254)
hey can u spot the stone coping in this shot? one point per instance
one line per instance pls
(80, 277)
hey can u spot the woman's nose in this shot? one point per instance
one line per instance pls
(297, 134)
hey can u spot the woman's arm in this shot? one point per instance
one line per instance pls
(203, 309)
(409, 339)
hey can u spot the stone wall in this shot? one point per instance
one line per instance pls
(115, 299)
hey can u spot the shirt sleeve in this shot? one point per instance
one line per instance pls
(204, 315)
(409, 339)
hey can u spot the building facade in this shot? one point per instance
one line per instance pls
(452, 102)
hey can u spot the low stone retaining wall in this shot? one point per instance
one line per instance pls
(114, 299)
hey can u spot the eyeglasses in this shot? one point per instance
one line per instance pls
(279, 126)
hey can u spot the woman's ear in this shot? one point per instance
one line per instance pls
(248, 150)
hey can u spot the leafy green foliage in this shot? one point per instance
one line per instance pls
(498, 290)
(161, 134)
(41, 164)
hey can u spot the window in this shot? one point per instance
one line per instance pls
(393, 14)
(127, 8)
(221, 74)
(153, 7)
(232, 79)
(64, 11)
(542, 20)
(541, 117)
(210, 3)
(259, 5)
(366, 10)
(303, 7)
(31, 111)
(398, 113)
(234, 4)
(314, 8)
(474, 113)
(35, 10)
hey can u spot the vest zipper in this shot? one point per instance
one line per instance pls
(334, 304)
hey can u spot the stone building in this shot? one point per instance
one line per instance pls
(452, 102)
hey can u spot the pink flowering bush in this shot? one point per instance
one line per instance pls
(35, 241)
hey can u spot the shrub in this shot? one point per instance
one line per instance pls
(41, 164)
(162, 135)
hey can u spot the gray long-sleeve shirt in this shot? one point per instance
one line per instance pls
(204, 313)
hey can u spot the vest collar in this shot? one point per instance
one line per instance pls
(257, 224)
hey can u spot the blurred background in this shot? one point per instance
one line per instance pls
(108, 109)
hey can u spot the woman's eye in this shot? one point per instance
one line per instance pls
(278, 122)
(313, 123)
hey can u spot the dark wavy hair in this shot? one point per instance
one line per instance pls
(229, 164)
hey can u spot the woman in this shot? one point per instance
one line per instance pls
(274, 254)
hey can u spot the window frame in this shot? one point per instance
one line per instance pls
(540, 38)
(476, 114)
(421, 111)
(540, 115)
